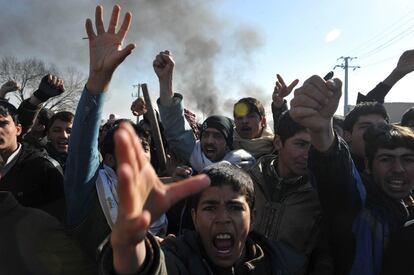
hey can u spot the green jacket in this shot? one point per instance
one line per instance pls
(288, 210)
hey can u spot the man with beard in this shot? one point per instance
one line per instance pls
(216, 136)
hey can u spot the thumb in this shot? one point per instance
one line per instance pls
(335, 85)
(126, 51)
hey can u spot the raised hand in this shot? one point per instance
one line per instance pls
(105, 48)
(9, 86)
(281, 90)
(314, 105)
(405, 64)
(163, 65)
(50, 86)
(139, 107)
(142, 199)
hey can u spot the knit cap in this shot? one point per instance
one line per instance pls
(221, 123)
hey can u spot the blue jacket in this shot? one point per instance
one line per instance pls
(362, 218)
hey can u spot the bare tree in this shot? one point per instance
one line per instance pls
(29, 72)
(74, 82)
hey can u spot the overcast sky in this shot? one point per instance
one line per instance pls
(224, 49)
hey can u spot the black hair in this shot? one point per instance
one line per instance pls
(108, 143)
(363, 109)
(386, 136)
(407, 117)
(223, 173)
(286, 127)
(7, 109)
(63, 115)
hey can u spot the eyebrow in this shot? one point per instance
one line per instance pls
(215, 202)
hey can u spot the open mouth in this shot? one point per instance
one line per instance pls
(396, 184)
(223, 243)
(209, 150)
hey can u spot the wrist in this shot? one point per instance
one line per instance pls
(34, 100)
(393, 78)
(278, 103)
(323, 136)
(128, 260)
(166, 93)
(97, 84)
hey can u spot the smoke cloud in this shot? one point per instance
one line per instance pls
(191, 29)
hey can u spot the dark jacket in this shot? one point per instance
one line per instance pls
(58, 156)
(33, 242)
(288, 210)
(36, 181)
(185, 255)
(365, 224)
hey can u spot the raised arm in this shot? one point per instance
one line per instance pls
(404, 66)
(278, 97)
(105, 48)
(178, 132)
(9, 86)
(164, 68)
(314, 105)
(106, 54)
(142, 199)
(50, 86)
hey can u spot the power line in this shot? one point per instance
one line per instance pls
(379, 62)
(388, 43)
(402, 21)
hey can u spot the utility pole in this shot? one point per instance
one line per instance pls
(137, 95)
(345, 66)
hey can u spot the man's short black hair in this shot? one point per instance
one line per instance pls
(63, 115)
(286, 127)
(223, 173)
(248, 105)
(108, 143)
(386, 136)
(6, 109)
(363, 109)
(407, 117)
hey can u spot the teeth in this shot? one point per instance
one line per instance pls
(223, 236)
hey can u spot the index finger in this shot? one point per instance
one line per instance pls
(280, 79)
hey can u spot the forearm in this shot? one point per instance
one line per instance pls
(166, 92)
(277, 109)
(152, 261)
(129, 260)
(98, 83)
(178, 133)
(393, 78)
(333, 175)
(323, 138)
(27, 113)
(83, 155)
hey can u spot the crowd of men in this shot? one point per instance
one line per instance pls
(318, 194)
